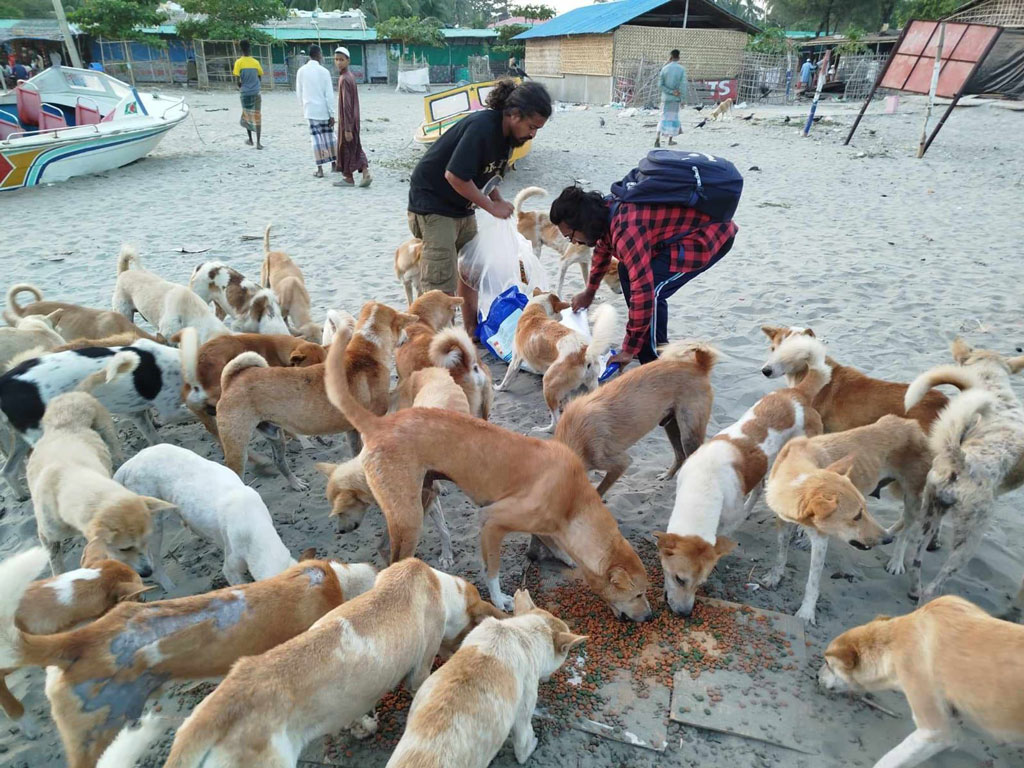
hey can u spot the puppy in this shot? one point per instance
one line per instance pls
(463, 713)
(228, 289)
(167, 306)
(214, 504)
(819, 483)
(103, 673)
(293, 399)
(851, 399)
(562, 355)
(950, 659)
(33, 333)
(721, 110)
(407, 267)
(282, 275)
(674, 391)
(72, 491)
(363, 649)
(60, 603)
(978, 442)
(74, 322)
(712, 484)
(532, 486)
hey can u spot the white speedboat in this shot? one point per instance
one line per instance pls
(68, 122)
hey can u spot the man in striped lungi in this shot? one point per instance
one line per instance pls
(672, 86)
(316, 94)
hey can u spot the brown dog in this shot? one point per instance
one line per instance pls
(434, 311)
(674, 391)
(74, 322)
(279, 273)
(533, 486)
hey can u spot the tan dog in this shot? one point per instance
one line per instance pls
(293, 399)
(167, 306)
(279, 273)
(562, 355)
(582, 255)
(464, 712)
(536, 226)
(435, 311)
(104, 672)
(74, 322)
(718, 486)
(69, 476)
(721, 109)
(674, 391)
(407, 268)
(271, 706)
(31, 336)
(851, 399)
(819, 483)
(62, 602)
(530, 485)
(950, 659)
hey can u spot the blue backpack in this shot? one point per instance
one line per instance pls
(710, 184)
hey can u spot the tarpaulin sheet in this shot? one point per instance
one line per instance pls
(1002, 71)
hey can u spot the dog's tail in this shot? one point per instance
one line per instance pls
(336, 320)
(16, 573)
(704, 355)
(961, 378)
(266, 239)
(603, 332)
(951, 427)
(524, 195)
(121, 364)
(126, 257)
(12, 299)
(188, 354)
(131, 744)
(338, 392)
(796, 352)
(452, 348)
(238, 364)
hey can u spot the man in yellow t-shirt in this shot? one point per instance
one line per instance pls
(248, 71)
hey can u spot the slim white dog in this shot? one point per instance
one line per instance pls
(212, 502)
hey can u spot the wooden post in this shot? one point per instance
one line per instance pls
(128, 61)
(817, 93)
(942, 120)
(686, 13)
(65, 31)
(936, 70)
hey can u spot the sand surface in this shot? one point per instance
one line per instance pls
(887, 257)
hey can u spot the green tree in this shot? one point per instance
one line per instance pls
(506, 45)
(28, 9)
(229, 19)
(411, 30)
(925, 9)
(118, 19)
(534, 11)
(771, 40)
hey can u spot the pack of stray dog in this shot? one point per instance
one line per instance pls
(303, 646)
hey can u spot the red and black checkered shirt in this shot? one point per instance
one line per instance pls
(633, 236)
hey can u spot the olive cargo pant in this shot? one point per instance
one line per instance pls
(443, 237)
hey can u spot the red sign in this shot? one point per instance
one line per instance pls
(719, 90)
(963, 48)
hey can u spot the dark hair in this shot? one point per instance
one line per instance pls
(675, 53)
(584, 212)
(526, 98)
(314, 51)
(244, 45)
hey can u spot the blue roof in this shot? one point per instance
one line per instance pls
(601, 18)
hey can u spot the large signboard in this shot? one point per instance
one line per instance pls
(912, 63)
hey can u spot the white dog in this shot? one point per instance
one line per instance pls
(215, 504)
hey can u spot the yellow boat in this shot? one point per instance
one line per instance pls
(444, 109)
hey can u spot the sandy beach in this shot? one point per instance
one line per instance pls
(885, 256)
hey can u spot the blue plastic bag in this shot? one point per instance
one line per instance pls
(498, 329)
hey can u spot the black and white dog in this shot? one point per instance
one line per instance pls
(155, 383)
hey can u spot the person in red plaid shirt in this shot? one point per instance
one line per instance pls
(650, 270)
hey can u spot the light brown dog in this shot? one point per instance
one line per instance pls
(31, 336)
(674, 391)
(407, 268)
(851, 399)
(721, 109)
(434, 311)
(294, 400)
(104, 672)
(279, 273)
(62, 602)
(819, 483)
(950, 659)
(530, 485)
(74, 322)
(536, 226)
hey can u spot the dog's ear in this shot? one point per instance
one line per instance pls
(846, 655)
(129, 592)
(815, 504)
(325, 468)
(523, 601)
(665, 542)
(724, 545)
(54, 317)
(404, 319)
(456, 301)
(156, 505)
(1016, 363)
(566, 641)
(558, 305)
(619, 578)
(843, 466)
(308, 554)
(175, 338)
(296, 358)
(771, 331)
(537, 291)
(961, 350)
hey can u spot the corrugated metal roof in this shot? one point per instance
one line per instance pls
(601, 18)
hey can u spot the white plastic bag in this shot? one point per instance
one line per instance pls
(498, 258)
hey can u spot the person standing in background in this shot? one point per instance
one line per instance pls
(313, 88)
(249, 71)
(351, 157)
(672, 85)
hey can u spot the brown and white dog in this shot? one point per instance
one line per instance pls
(712, 485)
(564, 357)
(102, 674)
(228, 289)
(271, 706)
(282, 275)
(530, 485)
(74, 321)
(674, 391)
(464, 712)
(819, 483)
(294, 399)
(850, 398)
(62, 602)
(950, 659)
(407, 268)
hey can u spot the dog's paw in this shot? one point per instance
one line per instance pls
(772, 578)
(504, 603)
(522, 755)
(666, 475)
(446, 564)
(806, 614)
(896, 566)
(365, 727)
(298, 484)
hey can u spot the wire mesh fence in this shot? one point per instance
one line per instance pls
(774, 78)
(215, 61)
(136, 62)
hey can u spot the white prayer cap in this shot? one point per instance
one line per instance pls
(343, 51)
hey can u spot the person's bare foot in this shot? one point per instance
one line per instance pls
(367, 179)
(345, 183)
(319, 173)
(249, 142)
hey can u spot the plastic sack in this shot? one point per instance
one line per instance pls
(497, 259)
(578, 322)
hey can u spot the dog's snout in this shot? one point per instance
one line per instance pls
(859, 545)
(145, 571)
(767, 371)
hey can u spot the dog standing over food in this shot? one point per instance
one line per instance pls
(74, 322)
(464, 712)
(269, 707)
(949, 658)
(673, 391)
(712, 485)
(102, 674)
(228, 289)
(407, 268)
(282, 275)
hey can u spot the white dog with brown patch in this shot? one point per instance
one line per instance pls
(715, 480)
(465, 711)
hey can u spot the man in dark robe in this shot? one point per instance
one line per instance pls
(351, 157)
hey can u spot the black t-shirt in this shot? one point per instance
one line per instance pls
(474, 149)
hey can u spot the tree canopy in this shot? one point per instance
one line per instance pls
(116, 19)
(229, 19)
